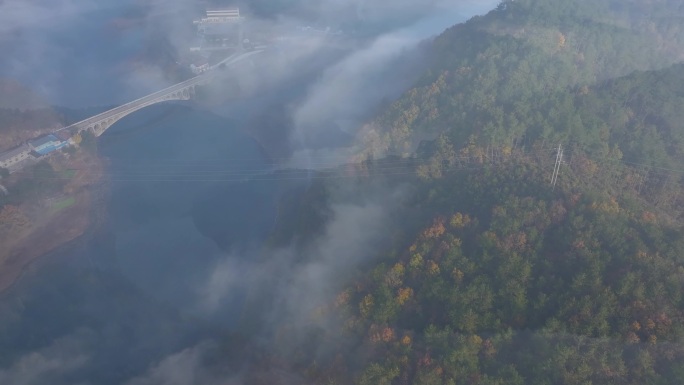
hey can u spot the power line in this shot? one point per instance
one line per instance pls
(215, 170)
(388, 167)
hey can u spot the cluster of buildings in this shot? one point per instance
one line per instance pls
(33, 150)
(219, 30)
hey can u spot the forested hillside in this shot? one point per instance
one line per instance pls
(512, 280)
(490, 74)
(514, 283)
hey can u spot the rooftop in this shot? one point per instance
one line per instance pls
(223, 13)
(43, 140)
(13, 152)
(223, 9)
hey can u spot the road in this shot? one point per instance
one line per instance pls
(232, 59)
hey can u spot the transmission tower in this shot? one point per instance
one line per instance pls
(556, 167)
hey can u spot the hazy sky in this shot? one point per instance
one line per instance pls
(68, 51)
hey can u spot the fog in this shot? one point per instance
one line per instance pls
(287, 287)
(49, 364)
(66, 49)
(71, 54)
(66, 52)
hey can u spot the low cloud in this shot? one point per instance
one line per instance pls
(21, 14)
(297, 276)
(47, 65)
(347, 88)
(186, 367)
(352, 87)
(53, 364)
(290, 283)
(351, 238)
(232, 275)
(294, 280)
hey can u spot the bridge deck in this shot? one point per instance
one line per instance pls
(158, 95)
(135, 103)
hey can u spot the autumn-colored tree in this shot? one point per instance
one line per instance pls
(459, 220)
(376, 374)
(436, 230)
(342, 298)
(403, 295)
(366, 305)
(561, 41)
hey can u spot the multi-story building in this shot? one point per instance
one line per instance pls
(223, 15)
(220, 29)
(226, 15)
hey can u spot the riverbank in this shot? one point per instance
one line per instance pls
(44, 223)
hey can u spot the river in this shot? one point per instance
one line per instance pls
(189, 190)
(180, 201)
(182, 197)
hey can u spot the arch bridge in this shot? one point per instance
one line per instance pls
(99, 123)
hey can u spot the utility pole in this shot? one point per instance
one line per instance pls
(556, 167)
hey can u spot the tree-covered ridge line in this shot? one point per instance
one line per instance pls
(489, 74)
(635, 121)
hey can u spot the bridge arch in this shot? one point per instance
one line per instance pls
(181, 91)
(99, 127)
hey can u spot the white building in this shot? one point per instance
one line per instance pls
(10, 158)
(220, 16)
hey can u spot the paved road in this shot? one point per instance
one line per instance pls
(148, 99)
(232, 59)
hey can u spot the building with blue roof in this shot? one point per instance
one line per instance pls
(46, 144)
